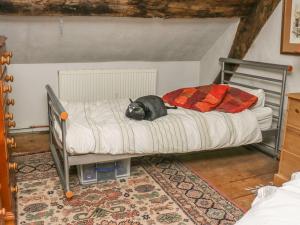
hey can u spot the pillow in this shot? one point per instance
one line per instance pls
(261, 97)
(186, 97)
(236, 100)
(212, 99)
(170, 96)
(259, 93)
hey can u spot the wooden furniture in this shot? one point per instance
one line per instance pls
(290, 153)
(7, 182)
(2, 210)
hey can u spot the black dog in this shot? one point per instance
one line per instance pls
(149, 107)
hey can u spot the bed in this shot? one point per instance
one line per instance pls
(183, 130)
(98, 131)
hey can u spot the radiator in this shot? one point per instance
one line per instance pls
(92, 85)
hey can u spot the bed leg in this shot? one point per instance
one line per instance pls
(62, 172)
(277, 149)
(69, 194)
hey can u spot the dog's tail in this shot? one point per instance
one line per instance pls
(171, 107)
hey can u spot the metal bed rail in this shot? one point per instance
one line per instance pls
(58, 115)
(228, 66)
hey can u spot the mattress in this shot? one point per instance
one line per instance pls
(102, 127)
(275, 205)
(264, 116)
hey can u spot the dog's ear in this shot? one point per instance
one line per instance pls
(130, 100)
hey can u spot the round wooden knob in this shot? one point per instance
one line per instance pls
(13, 166)
(11, 123)
(8, 54)
(10, 102)
(10, 140)
(9, 116)
(9, 78)
(5, 60)
(2, 212)
(7, 88)
(14, 189)
(14, 145)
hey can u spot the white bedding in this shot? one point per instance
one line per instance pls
(101, 127)
(264, 116)
(275, 206)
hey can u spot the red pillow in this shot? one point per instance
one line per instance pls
(212, 99)
(186, 97)
(236, 100)
(170, 96)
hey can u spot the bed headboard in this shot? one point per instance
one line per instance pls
(92, 85)
(258, 75)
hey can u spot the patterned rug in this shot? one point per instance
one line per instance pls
(160, 190)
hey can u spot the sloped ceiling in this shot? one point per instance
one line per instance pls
(94, 39)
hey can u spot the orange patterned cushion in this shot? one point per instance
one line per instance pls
(186, 97)
(212, 99)
(236, 101)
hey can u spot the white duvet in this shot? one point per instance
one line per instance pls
(276, 206)
(264, 116)
(101, 127)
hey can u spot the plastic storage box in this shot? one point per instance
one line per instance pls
(97, 172)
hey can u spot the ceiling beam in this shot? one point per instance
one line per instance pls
(130, 8)
(248, 29)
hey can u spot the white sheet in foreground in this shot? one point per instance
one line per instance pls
(101, 127)
(275, 206)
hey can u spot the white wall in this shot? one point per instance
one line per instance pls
(210, 66)
(30, 80)
(266, 48)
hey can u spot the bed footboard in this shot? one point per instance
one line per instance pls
(57, 115)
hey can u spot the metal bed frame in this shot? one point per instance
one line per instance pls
(56, 112)
(229, 66)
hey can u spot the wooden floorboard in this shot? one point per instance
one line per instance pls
(31, 142)
(233, 172)
(242, 188)
(245, 201)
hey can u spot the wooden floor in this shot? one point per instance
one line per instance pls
(32, 142)
(233, 172)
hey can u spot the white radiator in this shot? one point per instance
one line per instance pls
(92, 85)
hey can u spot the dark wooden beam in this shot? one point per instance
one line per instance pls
(130, 8)
(248, 29)
(2, 41)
